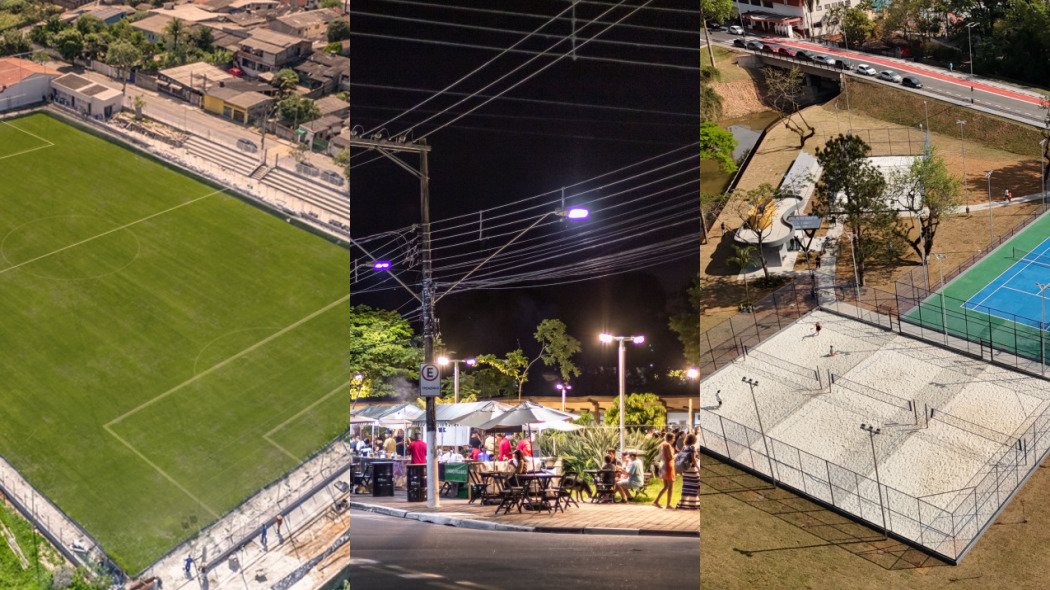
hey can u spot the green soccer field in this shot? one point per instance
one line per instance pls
(167, 348)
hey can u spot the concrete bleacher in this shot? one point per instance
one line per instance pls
(234, 160)
(330, 202)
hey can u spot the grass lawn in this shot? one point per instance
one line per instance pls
(158, 337)
(13, 576)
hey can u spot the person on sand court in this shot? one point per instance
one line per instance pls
(817, 327)
(667, 474)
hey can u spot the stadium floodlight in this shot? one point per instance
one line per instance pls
(872, 431)
(753, 383)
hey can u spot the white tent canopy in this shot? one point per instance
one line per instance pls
(526, 413)
(467, 413)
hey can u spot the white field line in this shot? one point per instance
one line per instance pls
(29, 133)
(296, 415)
(106, 233)
(162, 472)
(41, 147)
(229, 360)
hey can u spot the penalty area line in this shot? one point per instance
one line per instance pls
(29, 133)
(313, 405)
(161, 471)
(106, 233)
(41, 147)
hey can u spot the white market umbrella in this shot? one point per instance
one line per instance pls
(524, 414)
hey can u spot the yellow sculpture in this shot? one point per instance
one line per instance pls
(760, 217)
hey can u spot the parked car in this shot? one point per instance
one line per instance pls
(911, 82)
(736, 30)
(715, 27)
(756, 45)
(740, 42)
(866, 70)
(770, 47)
(789, 51)
(825, 60)
(889, 76)
(804, 55)
(843, 64)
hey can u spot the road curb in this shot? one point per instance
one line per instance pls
(484, 525)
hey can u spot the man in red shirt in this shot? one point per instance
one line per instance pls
(504, 448)
(418, 450)
(525, 446)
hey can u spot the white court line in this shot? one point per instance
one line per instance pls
(106, 233)
(1012, 277)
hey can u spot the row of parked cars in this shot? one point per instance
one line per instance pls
(828, 60)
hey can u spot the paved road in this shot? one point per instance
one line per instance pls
(392, 552)
(1001, 98)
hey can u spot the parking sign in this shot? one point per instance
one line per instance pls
(429, 380)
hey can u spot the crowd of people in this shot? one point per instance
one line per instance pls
(677, 455)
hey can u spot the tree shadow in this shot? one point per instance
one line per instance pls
(832, 528)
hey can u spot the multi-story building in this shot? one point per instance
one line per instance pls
(265, 51)
(791, 18)
(311, 24)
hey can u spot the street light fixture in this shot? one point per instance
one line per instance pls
(606, 338)
(944, 313)
(872, 431)
(444, 361)
(991, 228)
(969, 44)
(752, 383)
(962, 140)
(563, 388)
(856, 275)
(1042, 327)
(1042, 171)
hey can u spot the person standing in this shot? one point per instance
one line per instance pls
(690, 499)
(475, 440)
(399, 438)
(418, 450)
(389, 446)
(667, 474)
(490, 444)
(504, 447)
(817, 327)
(525, 446)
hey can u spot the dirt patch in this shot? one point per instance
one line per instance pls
(739, 98)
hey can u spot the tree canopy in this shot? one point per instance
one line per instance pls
(338, 30)
(382, 351)
(640, 409)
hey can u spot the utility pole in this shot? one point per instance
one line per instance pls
(389, 149)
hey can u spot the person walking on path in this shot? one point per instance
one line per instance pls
(686, 458)
(723, 226)
(667, 474)
(279, 521)
(818, 262)
(189, 565)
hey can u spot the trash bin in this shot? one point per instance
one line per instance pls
(416, 482)
(382, 479)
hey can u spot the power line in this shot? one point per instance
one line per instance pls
(631, 44)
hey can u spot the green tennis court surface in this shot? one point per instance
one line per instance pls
(153, 330)
(997, 300)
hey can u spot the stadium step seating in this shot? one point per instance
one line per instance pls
(224, 156)
(332, 202)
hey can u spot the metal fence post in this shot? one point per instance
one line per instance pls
(831, 486)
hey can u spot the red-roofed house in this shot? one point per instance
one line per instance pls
(23, 82)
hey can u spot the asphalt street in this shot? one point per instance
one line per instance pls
(389, 552)
(1018, 103)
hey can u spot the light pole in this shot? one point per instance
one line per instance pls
(1042, 326)
(962, 140)
(753, 383)
(856, 275)
(608, 339)
(991, 228)
(563, 388)
(940, 272)
(444, 361)
(969, 44)
(1042, 171)
(872, 431)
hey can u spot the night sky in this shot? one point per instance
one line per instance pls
(573, 121)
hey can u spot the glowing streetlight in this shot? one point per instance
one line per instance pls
(444, 361)
(608, 339)
(563, 388)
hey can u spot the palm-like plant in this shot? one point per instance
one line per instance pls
(742, 258)
(584, 449)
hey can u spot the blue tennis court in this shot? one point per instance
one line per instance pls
(1014, 294)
